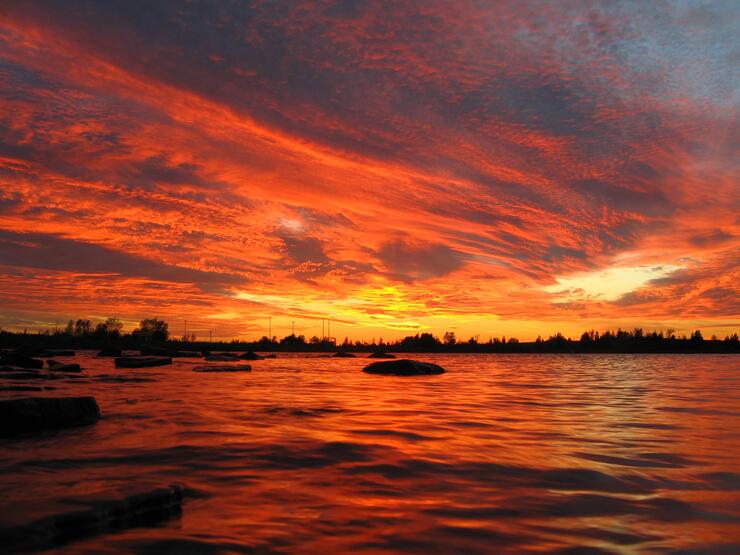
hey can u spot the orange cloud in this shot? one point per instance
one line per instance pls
(435, 169)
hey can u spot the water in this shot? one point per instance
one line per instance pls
(502, 454)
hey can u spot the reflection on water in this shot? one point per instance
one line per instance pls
(583, 453)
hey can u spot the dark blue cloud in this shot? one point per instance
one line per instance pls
(52, 252)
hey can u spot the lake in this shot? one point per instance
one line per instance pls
(305, 454)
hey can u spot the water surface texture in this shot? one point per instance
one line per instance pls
(502, 454)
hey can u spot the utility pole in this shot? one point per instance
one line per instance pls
(293, 328)
(270, 319)
(328, 325)
(186, 330)
(322, 330)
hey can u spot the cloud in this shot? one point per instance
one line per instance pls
(428, 149)
(408, 262)
(50, 252)
(304, 249)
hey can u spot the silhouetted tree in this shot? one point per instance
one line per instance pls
(152, 329)
(83, 327)
(293, 340)
(111, 328)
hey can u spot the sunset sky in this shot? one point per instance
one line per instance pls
(511, 168)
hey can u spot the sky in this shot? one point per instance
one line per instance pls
(488, 168)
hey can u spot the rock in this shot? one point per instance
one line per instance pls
(28, 350)
(141, 362)
(36, 414)
(57, 353)
(222, 358)
(56, 366)
(189, 354)
(381, 354)
(9, 368)
(206, 353)
(164, 352)
(155, 351)
(110, 352)
(217, 368)
(250, 355)
(21, 361)
(403, 367)
(342, 354)
(23, 388)
(34, 375)
(141, 509)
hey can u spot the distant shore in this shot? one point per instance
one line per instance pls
(424, 343)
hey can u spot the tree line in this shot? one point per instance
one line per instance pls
(82, 333)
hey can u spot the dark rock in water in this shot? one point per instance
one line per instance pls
(56, 366)
(217, 368)
(381, 354)
(142, 509)
(341, 354)
(22, 388)
(28, 374)
(164, 352)
(224, 357)
(403, 367)
(155, 351)
(190, 354)
(141, 362)
(251, 355)
(28, 350)
(21, 361)
(110, 352)
(57, 353)
(206, 353)
(36, 414)
(9, 368)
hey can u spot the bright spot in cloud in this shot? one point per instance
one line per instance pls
(227, 315)
(291, 225)
(608, 284)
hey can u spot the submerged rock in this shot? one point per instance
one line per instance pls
(190, 354)
(403, 367)
(56, 366)
(164, 352)
(250, 355)
(155, 351)
(21, 361)
(57, 353)
(27, 350)
(381, 354)
(10, 368)
(110, 352)
(217, 368)
(342, 354)
(15, 373)
(224, 357)
(141, 362)
(141, 509)
(36, 414)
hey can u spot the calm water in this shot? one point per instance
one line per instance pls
(503, 454)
